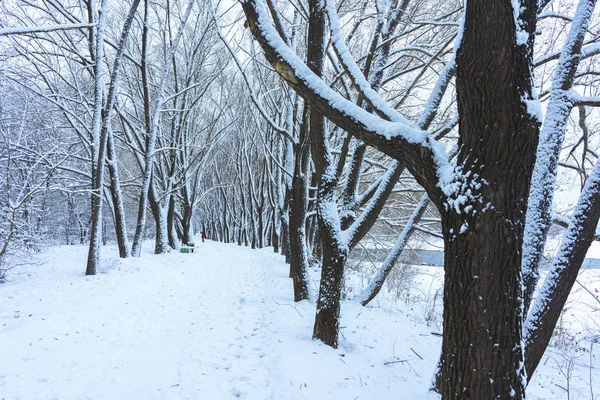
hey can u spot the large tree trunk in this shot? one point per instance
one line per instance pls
(103, 135)
(334, 251)
(327, 320)
(481, 351)
(98, 144)
(482, 354)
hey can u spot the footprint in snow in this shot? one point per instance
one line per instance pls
(241, 302)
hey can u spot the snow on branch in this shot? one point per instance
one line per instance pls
(359, 228)
(253, 96)
(377, 281)
(576, 241)
(550, 144)
(435, 98)
(425, 158)
(578, 100)
(37, 29)
(554, 14)
(587, 51)
(353, 70)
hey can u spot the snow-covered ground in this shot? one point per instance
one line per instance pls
(221, 324)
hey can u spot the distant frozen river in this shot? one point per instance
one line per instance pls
(434, 258)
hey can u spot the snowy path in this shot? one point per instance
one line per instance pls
(193, 326)
(216, 324)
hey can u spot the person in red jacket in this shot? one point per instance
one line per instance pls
(203, 235)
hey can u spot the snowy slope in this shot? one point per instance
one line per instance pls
(216, 324)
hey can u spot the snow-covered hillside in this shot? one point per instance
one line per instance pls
(216, 324)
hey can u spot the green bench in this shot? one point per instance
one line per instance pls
(186, 249)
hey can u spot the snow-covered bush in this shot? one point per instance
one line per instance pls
(401, 280)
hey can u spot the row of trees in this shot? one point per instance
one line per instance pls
(415, 115)
(492, 184)
(125, 114)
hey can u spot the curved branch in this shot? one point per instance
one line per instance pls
(425, 158)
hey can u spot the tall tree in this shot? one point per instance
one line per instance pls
(153, 119)
(104, 131)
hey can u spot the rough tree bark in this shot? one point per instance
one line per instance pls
(298, 206)
(482, 355)
(334, 250)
